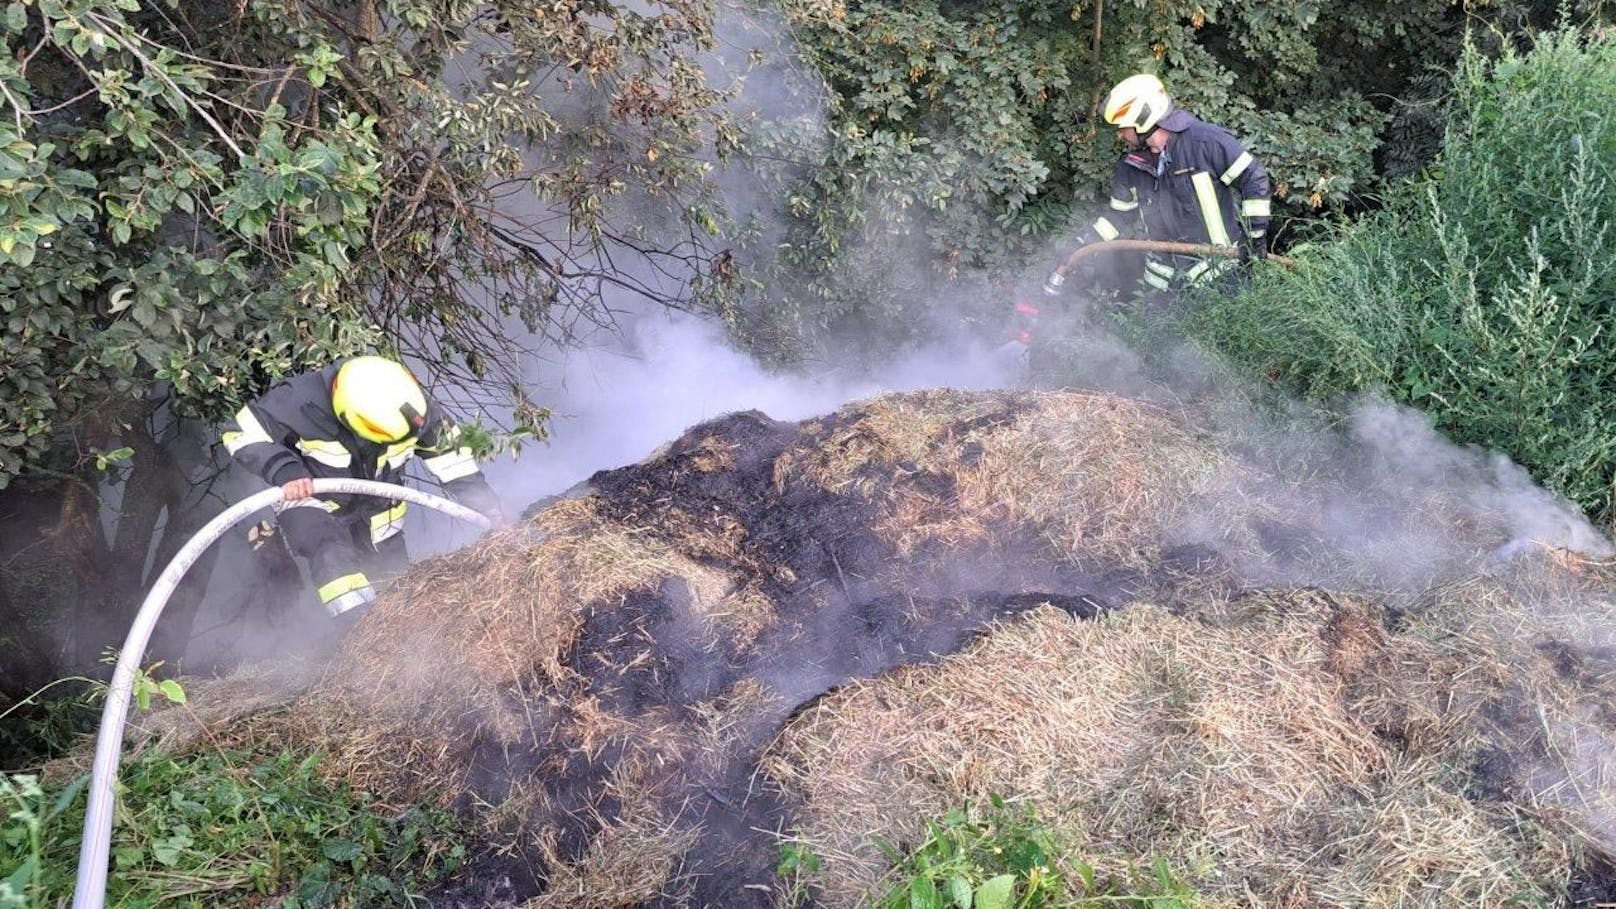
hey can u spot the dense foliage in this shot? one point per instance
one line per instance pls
(1482, 295)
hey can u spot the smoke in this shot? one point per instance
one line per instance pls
(632, 391)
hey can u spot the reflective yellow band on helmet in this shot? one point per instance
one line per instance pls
(1124, 204)
(452, 466)
(388, 524)
(1237, 168)
(1105, 229)
(1211, 212)
(348, 583)
(252, 432)
(331, 454)
(1256, 208)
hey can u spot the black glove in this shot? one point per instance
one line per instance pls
(1254, 248)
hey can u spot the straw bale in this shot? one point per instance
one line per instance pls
(713, 454)
(1231, 749)
(1099, 477)
(850, 452)
(502, 616)
(1092, 477)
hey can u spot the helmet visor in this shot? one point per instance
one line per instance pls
(374, 431)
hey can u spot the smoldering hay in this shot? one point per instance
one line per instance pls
(828, 631)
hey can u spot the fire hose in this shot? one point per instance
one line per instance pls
(90, 890)
(1159, 246)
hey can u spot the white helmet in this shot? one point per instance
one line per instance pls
(1138, 101)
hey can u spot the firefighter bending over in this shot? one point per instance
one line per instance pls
(1181, 180)
(361, 418)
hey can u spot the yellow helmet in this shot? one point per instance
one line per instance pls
(379, 399)
(1138, 101)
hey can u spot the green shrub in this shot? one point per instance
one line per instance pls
(1482, 294)
(222, 829)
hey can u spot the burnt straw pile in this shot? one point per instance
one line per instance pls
(829, 631)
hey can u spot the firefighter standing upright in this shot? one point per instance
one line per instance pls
(360, 418)
(1182, 180)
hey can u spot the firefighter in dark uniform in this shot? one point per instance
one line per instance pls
(1182, 180)
(362, 418)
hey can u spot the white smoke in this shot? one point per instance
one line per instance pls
(618, 401)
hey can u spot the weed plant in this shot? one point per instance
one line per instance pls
(1000, 858)
(1483, 294)
(223, 829)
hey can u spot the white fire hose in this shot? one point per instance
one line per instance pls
(90, 890)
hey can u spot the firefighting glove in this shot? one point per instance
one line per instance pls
(1052, 284)
(1254, 248)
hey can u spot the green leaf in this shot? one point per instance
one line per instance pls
(166, 853)
(24, 875)
(339, 850)
(959, 892)
(1085, 873)
(171, 688)
(69, 792)
(923, 893)
(996, 893)
(16, 17)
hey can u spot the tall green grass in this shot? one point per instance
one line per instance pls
(1483, 294)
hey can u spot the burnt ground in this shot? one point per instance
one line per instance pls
(1593, 884)
(848, 605)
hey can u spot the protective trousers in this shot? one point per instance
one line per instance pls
(343, 562)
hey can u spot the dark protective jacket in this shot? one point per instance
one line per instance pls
(1203, 188)
(292, 432)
